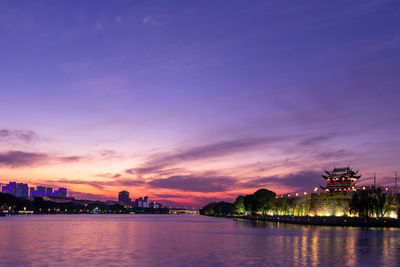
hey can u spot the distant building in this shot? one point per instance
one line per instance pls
(146, 203)
(155, 205)
(340, 179)
(123, 197)
(15, 189)
(139, 202)
(61, 192)
(43, 191)
(22, 190)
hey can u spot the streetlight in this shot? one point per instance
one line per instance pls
(316, 189)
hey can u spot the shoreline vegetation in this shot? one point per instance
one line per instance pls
(323, 220)
(367, 207)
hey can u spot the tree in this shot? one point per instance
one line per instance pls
(239, 207)
(363, 203)
(15, 204)
(218, 209)
(249, 203)
(291, 203)
(263, 200)
(383, 201)
(279, 205)
(371, 201)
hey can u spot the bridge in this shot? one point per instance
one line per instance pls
(183, 211)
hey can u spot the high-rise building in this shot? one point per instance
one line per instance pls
(139, 202)
(61, 192)
(41, 189)
(146, 202)
(22, 190)
(18, 190)
(123, 197)
(31, 191)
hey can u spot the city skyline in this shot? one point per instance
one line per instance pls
(197, 102)
(25, 191)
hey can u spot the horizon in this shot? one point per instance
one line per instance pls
(194, 103)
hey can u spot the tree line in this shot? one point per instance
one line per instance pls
(366, 202)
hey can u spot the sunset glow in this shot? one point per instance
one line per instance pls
(190, 104)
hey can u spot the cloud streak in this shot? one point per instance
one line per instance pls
(95, 184)
(204, 152)
(25, 136)
(22, 159)
(101, 185)
(18, 159)
(194, 183)
(303, 180)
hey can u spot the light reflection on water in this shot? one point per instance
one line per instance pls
(186, 240)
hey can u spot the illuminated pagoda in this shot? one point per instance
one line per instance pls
(340, 179)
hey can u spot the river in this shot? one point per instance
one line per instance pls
(187, 240)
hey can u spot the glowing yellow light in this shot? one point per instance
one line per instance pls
(305, 193)
(315, 189)
(297, 194)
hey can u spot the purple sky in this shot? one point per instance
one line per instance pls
(194, 101)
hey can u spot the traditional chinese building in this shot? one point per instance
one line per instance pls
(340, 179)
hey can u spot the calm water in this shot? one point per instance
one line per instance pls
(187, 240)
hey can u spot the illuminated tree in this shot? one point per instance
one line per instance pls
(263, 200)
(239, 207)
(363, 203)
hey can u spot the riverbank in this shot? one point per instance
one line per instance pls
(325, 221)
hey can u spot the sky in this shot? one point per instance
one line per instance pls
(196, 101)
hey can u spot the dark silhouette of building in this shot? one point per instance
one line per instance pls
(123, 197)
(43, 191)
(16, 189)
(61, 192)
(146, 203)
(22, 190)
